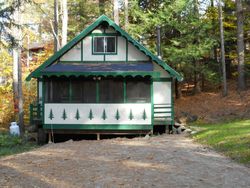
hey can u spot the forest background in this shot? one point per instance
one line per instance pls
(208, 48)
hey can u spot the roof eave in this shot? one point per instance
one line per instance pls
(85, 32)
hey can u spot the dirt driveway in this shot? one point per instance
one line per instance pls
(161, 161)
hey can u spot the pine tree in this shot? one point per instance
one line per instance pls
(77, 114)
(117, 115)
(51, 115)
(131, 115)
(91, 114)
(144, 116)
(104, 116)
(64, 116)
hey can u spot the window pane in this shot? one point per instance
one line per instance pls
(83, 91)
(138, 91)
(110, 42)
(98, 44)
(111, 91)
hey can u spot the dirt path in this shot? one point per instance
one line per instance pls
(162, 161)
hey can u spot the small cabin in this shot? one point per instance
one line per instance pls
(103, 81)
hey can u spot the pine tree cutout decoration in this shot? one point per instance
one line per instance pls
(91, 114)
(64, 116)
(131, 115)
(77, 114)
(117, 115)
(144, 116)
(51, 115)
(104, 116)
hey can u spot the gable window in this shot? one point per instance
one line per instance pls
(104, 44)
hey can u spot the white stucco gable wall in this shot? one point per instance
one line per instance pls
(125, 50)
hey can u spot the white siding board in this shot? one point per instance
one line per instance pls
(73, 54)
(158, 68)
(87, 51)
(121, 51)
(97, 109)
(134, 54)
(162, 92)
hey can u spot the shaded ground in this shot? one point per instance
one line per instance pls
(161, 161)
(212, 107)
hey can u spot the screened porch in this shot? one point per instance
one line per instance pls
(97, 90)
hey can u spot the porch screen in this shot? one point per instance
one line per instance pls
(138, 91)
(57, 91)
(83, 91)
(111, 91)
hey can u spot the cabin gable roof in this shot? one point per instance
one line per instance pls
(88, 30)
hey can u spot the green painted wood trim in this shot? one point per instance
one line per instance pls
(37, 90)
(70, 90)
(43, 100)
(97, 92)
(118, 73)
(172, 104)
(81, 50)
(152, 102)
(124, 91)
(162, 79)
(98, 127)
(104, 34)
(87, 31)
(109, 61)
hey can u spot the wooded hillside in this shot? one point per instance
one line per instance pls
(208, 42)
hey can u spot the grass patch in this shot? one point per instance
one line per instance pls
(230, 138)
(12, 144)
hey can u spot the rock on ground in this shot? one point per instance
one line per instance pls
(161, 161)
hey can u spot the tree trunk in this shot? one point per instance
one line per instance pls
(15, 79)
(20, 95)
(126, 13)
(224, 78)
(197, 87)
(178, 93)
(17, 73)
(240, 46)
(116, 12)
(64, 22)
(56, 39)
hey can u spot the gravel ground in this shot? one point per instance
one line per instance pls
(160, 161)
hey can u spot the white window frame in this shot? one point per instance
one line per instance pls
(105, 45)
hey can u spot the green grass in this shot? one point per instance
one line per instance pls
(230, 138)
(12, 144)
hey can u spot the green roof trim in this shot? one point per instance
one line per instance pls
(104, 74)
(89, 29)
